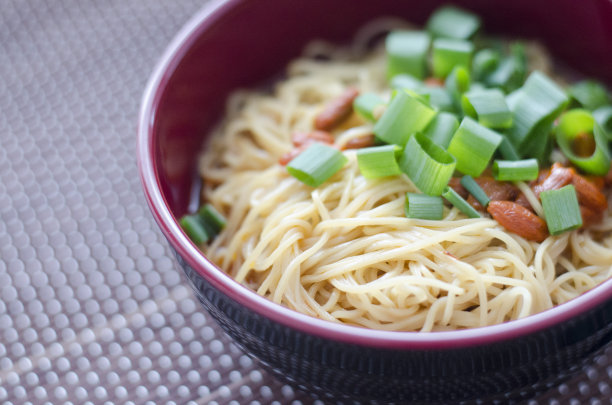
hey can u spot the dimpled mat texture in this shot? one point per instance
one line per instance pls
(93, 309)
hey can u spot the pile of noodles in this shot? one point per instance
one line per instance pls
(345, 251)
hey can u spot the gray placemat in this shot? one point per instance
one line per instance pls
(93, 309)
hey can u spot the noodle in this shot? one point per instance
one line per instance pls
(345, 252)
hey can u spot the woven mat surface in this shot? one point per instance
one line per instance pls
(93, 308)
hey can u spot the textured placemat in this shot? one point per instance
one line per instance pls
(93, 309)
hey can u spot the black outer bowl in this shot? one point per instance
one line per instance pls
(242, 43)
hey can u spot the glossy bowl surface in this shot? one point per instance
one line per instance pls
(239, 43)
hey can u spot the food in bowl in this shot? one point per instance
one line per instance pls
(443, 181)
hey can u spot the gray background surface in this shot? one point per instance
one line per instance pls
(93, 308)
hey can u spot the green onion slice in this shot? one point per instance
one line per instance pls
(316, 164)
(603, 116)
(451, 196)
(442, 128)
(580, 123)
(439, 98)
(450, 53)
(488, 107)
(378, 161)
(484, 63)
(474, 189)
(515, 170)
(457, 83)
(507, 150)
(366, 104)
(212, 219)
(539, 103)
(589, 94)
(423, 206)
(407, 53)
(405, 115)
(405, 81)
(561, 209)
(510, 71)
(453, 22)
(428, 165)
(194, 228)
(473, 146)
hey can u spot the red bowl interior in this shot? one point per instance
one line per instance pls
(240, 43)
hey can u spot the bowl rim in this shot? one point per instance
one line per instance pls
(170, 59)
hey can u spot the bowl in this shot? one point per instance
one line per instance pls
(239, 43)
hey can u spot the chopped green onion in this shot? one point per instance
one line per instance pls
(488, 107)
(378, 161)
(407, 53)
(429, 166)
(212, 219)
(405, 81)
(507, 150)
(449, 53)
(316, 164)
(515, 170)
(510, 71)
(473, 146)
(451, 196)
(539, 103)
(442, 128)
(453, 22)
(438, 98)
(603, 116)
(561, 209)
(194, 228)
(589, 94)
(405, 115)
(484, 63)
(366, 104)
(423, 206)
(457, 83)
(474, 189)
(579, 122)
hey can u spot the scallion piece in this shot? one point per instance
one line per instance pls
(428, 165)
(316, 164)
(488, 107)
(438, 98)
(457, 83)
(474, 189)
(405, 115)
(212, 219)
(589, 94)
(484, 63)
(450, 53)
(442, 128)
(194, 228)
(507, 150)
(423, 206)
(561, 209)
(405, 81)
(451, 196)
(578, 126)
(510, 71)
(407, 53)
(366, 104)
(378, 161)
(539, 102)
(603, 116)
(515, 170)
(473, 146)
(453, 22)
